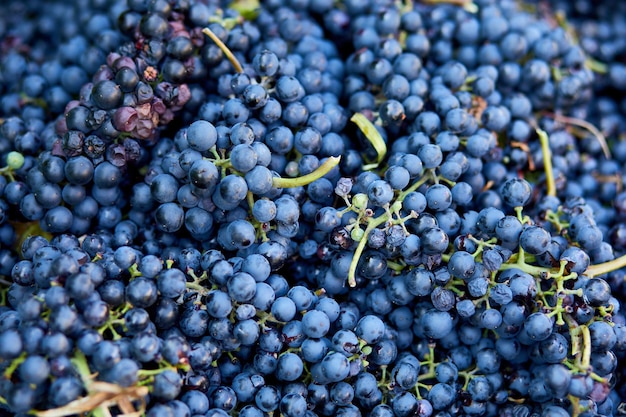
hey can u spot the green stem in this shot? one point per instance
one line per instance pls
(16, 362)
(322, 170)
(412, 188)
(606, 267)
(383, 376)
(147, 373)
(229, 54)
(480, 249)
(558, 312)
(222, 162)
(197, 279)
(468, 5)
(197, 287)
(576, 409)
(125, 309)
(574, 330)
(372, 135)
(555, 220)
(134, 271)
(457, 291)
(8, 173)
(395, 266)
(467, 376)
(419, 385)
(450, 183)
(371, 225)
(80, 364)
(110, 326)
(586, 354)
(520, 215)
(547, 162)
(430, 361)
(530, 269)
(250, 200)
(597, 66)
(585, 125)
(556, 73)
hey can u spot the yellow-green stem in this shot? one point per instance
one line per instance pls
(197, 287)
(372, 135)
(597, 66)
(574, 330)
(585, 125)
(372, 224)
(395, 266)
(412, 188)
(606, 267)
(547, 162)
(147, 373)
(229, 54)
(322, 170)
(586, 356)
(16, 362)
(250, 200)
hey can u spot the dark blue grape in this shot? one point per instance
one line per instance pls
(534, 240)
(516, 192)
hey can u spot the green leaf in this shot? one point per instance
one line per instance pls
(248, 9)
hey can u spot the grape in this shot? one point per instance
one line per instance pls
(534, 240)
(289, 367)
(315, 324)
(516, 192)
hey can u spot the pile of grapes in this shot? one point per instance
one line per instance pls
(312, 208)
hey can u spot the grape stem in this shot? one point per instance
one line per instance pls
(197, 287)
(586, 358)
(229, 54)
(467, 376)
(468, 5)
(397, 267)
(134, 271)
(371, 225)
(547, 162)
(373, 136)
(585, 125)
(606, 267)
(597, 66)
(581, 349)
(520, 263)
(374, 223)
(8, 373)
(322, 170)
(412, 188)
(101, 396)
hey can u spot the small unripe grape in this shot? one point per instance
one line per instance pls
(15, 160)
(357, 234)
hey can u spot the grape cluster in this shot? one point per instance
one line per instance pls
(312, 208)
